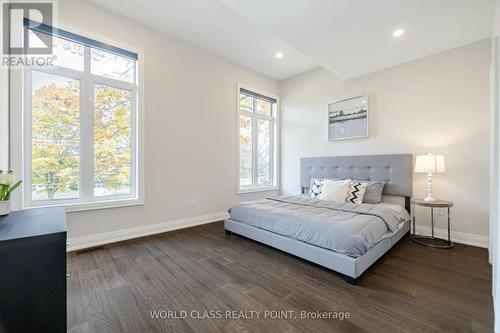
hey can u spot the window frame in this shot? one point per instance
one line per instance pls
(21, 81)
(274, 159)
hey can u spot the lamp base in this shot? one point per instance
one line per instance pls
(429, 197)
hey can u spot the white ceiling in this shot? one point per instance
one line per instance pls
(348, 37)
(213, 26)
(354, 37)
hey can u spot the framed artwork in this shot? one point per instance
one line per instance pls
(348, 118)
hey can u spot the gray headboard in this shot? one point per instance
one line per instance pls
(396, 170)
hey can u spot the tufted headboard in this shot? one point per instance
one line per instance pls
(396, 170)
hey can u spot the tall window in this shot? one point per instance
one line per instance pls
(81, 124)
(257, 141)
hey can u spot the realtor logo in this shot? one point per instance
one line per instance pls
(20, 23)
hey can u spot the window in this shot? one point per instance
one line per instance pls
(257, 141)
(81, 124)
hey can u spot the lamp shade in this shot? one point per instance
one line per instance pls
(430, 163)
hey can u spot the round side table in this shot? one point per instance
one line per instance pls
(431, 241)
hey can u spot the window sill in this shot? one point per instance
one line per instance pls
(85, 206)
(257, 189)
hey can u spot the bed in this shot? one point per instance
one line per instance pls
(344, 237)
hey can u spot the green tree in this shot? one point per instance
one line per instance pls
(262, 141)
(56, 140)
(112, 139)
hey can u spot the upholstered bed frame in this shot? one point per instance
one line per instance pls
(395, 170)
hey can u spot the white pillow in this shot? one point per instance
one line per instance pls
(335, 190)
(356, 192)
(315, 186)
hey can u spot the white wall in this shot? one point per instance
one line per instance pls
(494, 144)
(435, 104)
(495, 164)
(190, 125)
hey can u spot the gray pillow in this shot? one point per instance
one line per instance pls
(373, 192)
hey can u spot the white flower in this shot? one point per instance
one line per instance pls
(7, 178)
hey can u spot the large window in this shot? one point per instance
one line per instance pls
(257, 141)
(81, 124)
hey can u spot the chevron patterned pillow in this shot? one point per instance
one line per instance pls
(356, 193)
(315, 187)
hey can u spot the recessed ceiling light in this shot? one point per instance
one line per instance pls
(398, 33)
(279, 55)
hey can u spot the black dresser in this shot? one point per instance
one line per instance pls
(33, 271)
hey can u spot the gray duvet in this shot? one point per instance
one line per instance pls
(347, 228)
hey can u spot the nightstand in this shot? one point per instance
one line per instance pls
(431, 241)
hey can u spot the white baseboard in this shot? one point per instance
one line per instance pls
(79, 243)
(456, 237)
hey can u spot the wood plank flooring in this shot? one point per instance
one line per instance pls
(411, 289)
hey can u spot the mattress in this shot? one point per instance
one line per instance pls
(346, 228)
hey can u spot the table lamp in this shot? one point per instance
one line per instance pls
(429, 164)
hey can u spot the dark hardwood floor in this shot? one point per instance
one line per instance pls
(411, 289)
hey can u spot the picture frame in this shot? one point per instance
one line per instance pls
(348, 118)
